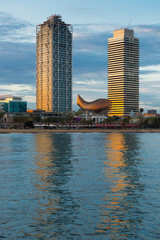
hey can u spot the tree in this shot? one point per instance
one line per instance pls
(89, 122)
(19, 121)
(1, 115)
(146, 123)
(23, 121)
(28, 122)
(47, 121)
(37, 118)
(158, 122)
(61, 120)
(141, 121)
(109, 121)
(69, 118)
(125, 121)
(79, 112)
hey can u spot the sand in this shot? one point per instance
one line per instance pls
(3, 131)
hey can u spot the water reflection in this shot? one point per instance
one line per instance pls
(121, 213)
(55, 204)
(80, 186)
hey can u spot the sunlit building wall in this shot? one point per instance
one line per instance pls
(123, 72)
(54, 65)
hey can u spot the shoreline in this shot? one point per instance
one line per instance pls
(3, 131)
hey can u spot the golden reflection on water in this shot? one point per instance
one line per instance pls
(43, 179)
(113, 210)
(115, 161)
(44, 156)
(52, 162)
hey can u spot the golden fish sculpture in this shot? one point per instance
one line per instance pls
(97, 106)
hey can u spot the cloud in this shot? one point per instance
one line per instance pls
(16, 87)
(145, 30)
(93, 38)
(27, 92)
(90, 83)
(94, 76)
(151, 68)
(30, 99)
(79, 35)
(150, 77)
(95, 28)
(90, 90)
(14, 30)
(94, 42)
(18, 59)
(149, 91)
(17, 63)
(17, 55)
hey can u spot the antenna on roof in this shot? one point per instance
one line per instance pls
(129, 24)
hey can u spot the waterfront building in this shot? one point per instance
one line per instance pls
(152, 111)
(11, 104)
(123, 72)
(54, 66)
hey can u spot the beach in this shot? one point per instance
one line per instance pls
(93, 130)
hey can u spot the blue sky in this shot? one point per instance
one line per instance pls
(93, 23)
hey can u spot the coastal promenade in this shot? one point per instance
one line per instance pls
(93, 130)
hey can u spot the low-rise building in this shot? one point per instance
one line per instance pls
(98, 119)
(11, 104)
(152, 111)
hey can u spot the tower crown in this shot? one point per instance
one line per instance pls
(55, 18)
(125, 32)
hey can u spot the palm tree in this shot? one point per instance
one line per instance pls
(146, 122)
(141, 121)
(19, 121)
(1, 115)
(47, 121)
(89, 122)
(29, 121)
(109, 120)
(126, 120)
(69, 118)
(61, 120)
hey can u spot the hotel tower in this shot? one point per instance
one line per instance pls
(123, 72)
(54, 65)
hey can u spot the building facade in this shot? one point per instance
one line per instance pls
(123, 72)
(11, 104)
(54, 66)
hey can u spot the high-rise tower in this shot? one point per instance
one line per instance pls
(123, 72)
(54, 65)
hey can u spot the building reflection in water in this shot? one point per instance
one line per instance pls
(118, 213)
(55, 207)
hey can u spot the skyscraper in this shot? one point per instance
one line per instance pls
(123, 72)
(54, 65)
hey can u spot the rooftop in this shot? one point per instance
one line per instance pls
(125, 32)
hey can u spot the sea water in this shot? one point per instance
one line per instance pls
(80, 186)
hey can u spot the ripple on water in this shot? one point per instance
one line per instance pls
(80, 186)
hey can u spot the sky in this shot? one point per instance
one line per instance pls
(93, 23)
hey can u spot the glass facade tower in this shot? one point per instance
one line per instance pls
(123, 72)
(54, 66)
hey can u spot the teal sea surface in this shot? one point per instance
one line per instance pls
(80, 186)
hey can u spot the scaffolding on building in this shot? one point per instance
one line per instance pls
(54, 65)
